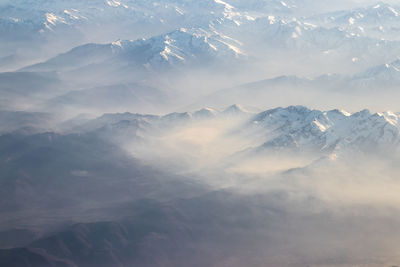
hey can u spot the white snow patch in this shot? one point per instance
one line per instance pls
(271, 19)
(394, 11)
(113, 3)
(53, 19)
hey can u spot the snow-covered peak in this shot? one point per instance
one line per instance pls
(174, 49)
(294, 128)
(271, 7)
(326, 131)
(389, 72)
(383, 10)
(205, 113)
(235, 110)
(46, 15)
(179, 47)
(183, 45)
(380, 20)
(374, 13)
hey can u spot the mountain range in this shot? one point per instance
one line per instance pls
(252, 24)
(120, 146)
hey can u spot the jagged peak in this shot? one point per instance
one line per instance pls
(362, 113)
(339, 111)
(205, 113)
(235, 109)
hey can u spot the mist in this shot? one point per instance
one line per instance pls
(199, 133)
(278, 207)
(306, 207)
(210, 190)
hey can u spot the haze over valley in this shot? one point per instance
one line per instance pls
(199, 133)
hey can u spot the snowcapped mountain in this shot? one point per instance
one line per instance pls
(227, 36)
(102, 20)
(266, 36)
(380, 20)
(51, 27)
(256, 28)
(222, 43)
(276, 7)
(334, 131)
(205, 113)
(120, 146)
(382, 75)
(174, 49)
(182, 46)
(155, 124)
(48, 15)
(295, 128)
(235, 111)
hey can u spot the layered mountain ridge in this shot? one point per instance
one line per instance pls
(295, 128)
(175, 48)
